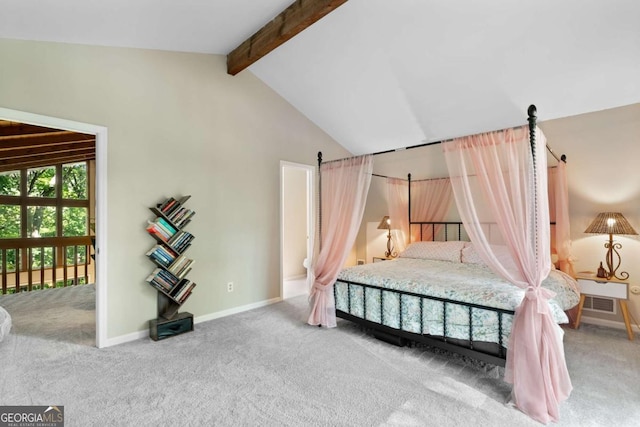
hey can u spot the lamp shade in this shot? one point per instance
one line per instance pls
(610, 223)
(385, 224)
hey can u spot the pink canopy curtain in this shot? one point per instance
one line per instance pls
(430, 201)
(496, 180)
(398, 204)
(561, 235)
(345, 184)
(551, 190)
(559, 211)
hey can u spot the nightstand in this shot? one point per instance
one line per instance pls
(381, 258)
(591, 285)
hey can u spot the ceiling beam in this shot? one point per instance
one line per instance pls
(294, 19)
(52, 149)
(42, 139)
(8, 128)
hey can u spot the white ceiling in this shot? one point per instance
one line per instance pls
(383, 74)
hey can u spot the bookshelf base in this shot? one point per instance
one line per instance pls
(161, 328)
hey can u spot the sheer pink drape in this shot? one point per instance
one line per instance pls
(561, 211)
(345, 184)
(551, 189)
(496, 182)
(398, 204)
(430, 201)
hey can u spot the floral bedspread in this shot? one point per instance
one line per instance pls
(470, 283)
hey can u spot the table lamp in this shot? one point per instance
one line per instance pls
(612, 223)
(385, 224)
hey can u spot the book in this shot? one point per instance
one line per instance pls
(154, 230)
(189, 285)
(167, 226)
(167, 204)
(186, 294)
(180, 288)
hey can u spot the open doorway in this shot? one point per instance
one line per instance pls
(296, 227)
(97, 186)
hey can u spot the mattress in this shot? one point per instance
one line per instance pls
(456, 281)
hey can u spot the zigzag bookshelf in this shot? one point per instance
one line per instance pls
(172, 266)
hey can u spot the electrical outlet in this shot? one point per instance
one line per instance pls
(230, 287)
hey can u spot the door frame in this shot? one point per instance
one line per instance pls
(101, 201)
(311, 224)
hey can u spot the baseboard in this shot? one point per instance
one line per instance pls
(608, 323)
(236, 310)
(145, 333)
(126, 338)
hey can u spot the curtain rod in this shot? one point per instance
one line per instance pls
(562, 158)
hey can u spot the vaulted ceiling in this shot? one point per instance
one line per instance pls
(383, 74)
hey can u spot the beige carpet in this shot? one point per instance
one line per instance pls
(266, 367)
(62, 314)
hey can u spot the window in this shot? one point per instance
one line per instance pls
(50, 201)
(41, 182)
(10, 183)
(74, 181)
(44, 218)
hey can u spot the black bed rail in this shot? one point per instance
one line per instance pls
(456, 345)
(457, 227)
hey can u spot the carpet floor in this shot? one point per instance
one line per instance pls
(267, 367)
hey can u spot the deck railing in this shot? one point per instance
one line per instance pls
(39, 263)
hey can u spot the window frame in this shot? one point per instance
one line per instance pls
(58, 202)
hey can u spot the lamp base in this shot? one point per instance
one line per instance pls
(390, 253)
(612, 247)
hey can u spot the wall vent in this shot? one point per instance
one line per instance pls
(600, 304)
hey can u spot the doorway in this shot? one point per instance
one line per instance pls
(100, 133)
(297, 228)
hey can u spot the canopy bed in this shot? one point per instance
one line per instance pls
(495, 298)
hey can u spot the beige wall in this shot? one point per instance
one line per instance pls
(294, 244)
(603, 152)
(177, 124)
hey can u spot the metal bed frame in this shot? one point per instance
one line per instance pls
(493, 353)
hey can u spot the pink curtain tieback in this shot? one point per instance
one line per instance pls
(320, 287)
(540, 295)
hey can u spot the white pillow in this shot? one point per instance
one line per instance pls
(442, 251)
(470, 255)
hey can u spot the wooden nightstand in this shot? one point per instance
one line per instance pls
(589, 284)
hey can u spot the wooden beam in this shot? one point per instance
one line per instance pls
(8, 128)
(294, 19)
(51, 150)
(42, 139)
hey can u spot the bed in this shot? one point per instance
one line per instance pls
(441, 294)
(500, 185)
